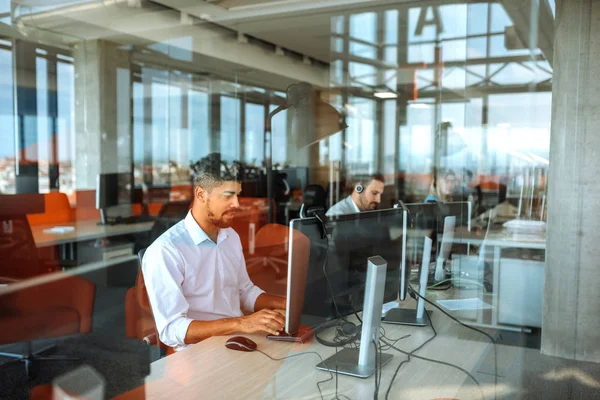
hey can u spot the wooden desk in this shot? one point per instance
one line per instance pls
(84, 230)
(209, 370)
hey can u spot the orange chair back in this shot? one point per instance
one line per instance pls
(58, 210)
(272, 235)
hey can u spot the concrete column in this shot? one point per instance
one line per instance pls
(102, 111)
(571, 320)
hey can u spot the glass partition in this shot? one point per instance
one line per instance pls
(110, 112)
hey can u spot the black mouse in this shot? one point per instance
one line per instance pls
(240, 343)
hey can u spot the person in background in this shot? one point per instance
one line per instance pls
(365, 196)
(195, 272)
(443, 186)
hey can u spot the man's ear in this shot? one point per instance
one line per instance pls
(199, 193)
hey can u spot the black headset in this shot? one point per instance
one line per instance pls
(346, 333)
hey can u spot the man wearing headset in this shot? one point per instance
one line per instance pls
(365, 196)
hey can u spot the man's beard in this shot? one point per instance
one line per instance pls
(368, 206)
(225, 221)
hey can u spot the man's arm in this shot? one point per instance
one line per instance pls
(264, 320)
(268, 301)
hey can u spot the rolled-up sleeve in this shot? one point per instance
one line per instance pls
(163, 275)
(249, 292)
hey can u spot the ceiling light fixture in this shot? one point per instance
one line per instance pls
(385, 95)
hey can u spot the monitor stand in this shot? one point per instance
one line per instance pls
(417, 316)
(361, 362)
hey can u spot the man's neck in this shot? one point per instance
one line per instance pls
(211, 230)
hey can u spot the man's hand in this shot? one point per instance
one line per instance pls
(264, 320)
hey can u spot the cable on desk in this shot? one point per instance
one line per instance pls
(468, 327)
(302, 354)
(394, 341)
(377, 370)
(387, 393)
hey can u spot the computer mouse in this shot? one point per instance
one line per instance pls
(240, 343)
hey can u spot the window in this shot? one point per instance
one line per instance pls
(254, 141)
(7, 120)
(230, 128)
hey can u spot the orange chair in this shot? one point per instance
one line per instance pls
(251, 216)
(58, 307)
(58, 210)
(18, 254)
(139, 321)
(271, 250)
(37, 305)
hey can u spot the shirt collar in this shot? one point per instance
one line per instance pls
(197, 233)
(353, 204)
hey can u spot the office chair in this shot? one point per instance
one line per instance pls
(58, 307)
(271, 249)
(139, 320)
(313, 200)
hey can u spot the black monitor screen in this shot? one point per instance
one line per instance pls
(113, 189)
(315, 286)
(337, 270)
(356, 237)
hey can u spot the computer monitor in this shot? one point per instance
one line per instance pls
(298, 262)
(356, 237)
(330, 282)
(113, 189)
(306, 256)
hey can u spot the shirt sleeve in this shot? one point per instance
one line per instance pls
(163, 275)
(249, 292)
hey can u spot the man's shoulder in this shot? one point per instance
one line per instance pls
(170, 239)
(338, 208)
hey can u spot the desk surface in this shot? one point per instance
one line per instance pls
(84, 230)
(209, 370)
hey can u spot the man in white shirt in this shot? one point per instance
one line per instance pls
(365, 196)
(195, 272)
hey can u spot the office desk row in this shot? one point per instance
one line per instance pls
(209, 370)
(82, 231)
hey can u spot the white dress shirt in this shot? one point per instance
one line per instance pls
(189, 277)
(345, 206)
